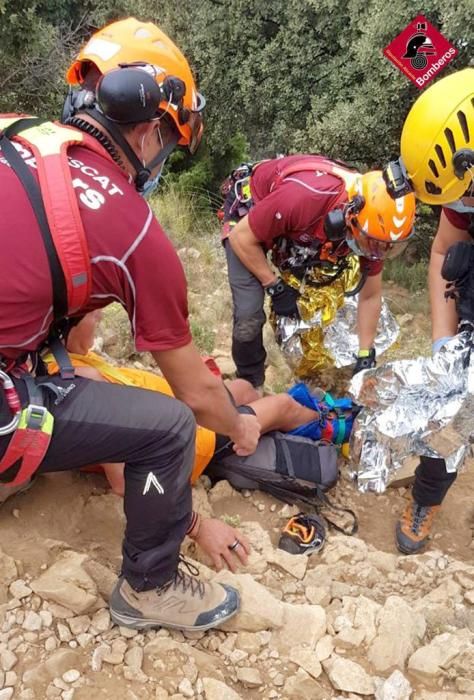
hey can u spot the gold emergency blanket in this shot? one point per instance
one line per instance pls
(325, 336)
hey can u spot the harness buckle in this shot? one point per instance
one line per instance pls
(35, 417)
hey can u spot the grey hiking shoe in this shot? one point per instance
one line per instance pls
(184, 603)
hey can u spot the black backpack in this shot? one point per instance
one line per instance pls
(294, 469)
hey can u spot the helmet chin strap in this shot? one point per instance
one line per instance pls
(143, 172)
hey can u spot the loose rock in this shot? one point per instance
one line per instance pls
(19, 589)
(259, 609)
(6, 694)
(302, 625)
(348, 676)
(301, 687)
(306, 659)
(399, 630)
(134, 657)
(7, 660)
(67, 583)
(33, 621)
(216, 690)
(396, 687)
(293, 564)
(432, 659)
(249, 677)
(71, 676)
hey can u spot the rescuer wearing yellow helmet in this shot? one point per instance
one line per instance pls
(437, 163)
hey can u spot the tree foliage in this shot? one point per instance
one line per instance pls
(285, 76)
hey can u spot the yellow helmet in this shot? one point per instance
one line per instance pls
(437, 143)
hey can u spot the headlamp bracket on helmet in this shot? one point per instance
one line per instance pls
(396, 179)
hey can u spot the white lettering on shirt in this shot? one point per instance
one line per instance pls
(109, 187)
(91, 198)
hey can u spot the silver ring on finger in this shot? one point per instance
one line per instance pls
(234, 545)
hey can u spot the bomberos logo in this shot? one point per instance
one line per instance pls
(420, 51)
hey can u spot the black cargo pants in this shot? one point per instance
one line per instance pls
(248, 298)
(154, 435)
(432, 481)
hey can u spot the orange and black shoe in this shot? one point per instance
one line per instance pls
(303, 534)
(414, 527)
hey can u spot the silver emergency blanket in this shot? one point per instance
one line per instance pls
(340, 338)
(414, 407)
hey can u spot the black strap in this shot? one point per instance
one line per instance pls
(61, 355)
(21, 124)
(33, 192)
(287, 490)
(142, 171)
(287, 457)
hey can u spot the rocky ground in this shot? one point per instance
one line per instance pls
(356, 621)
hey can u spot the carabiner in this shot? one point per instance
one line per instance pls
(13, 401)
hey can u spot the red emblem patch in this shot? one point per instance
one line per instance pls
(420, 51)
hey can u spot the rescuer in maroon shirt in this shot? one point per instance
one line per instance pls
(133, 263)
(265, 207)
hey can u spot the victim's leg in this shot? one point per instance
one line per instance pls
(282, 412)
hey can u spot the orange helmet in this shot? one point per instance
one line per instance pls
(131, 42)
(378, 226)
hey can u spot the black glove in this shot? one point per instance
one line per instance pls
(283, 299)
(365, 360)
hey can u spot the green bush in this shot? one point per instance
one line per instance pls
(184, 216)
(413, 277)
(203, 337)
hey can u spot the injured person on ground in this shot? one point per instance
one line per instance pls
(294, 423)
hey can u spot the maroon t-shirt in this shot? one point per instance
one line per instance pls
(132, 260)
(297, 207)
(457, 219)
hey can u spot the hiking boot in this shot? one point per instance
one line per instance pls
(414, 527)
(184, 603)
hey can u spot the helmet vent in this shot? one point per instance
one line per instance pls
(440, 154)
(433, 167)
(450, 139)
(142, 33)
(464, 125)
(431, 188)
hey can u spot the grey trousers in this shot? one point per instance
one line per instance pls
(249, 318)
(154, 435)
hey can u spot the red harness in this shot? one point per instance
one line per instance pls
(49, 143)
(55, 205)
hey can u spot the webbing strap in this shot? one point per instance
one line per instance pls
(341, 429)
(61, 355)
(287, 458)
(33, 191)
(31, 439)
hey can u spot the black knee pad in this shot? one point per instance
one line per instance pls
(247, 329)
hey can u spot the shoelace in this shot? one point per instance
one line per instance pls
(185, 579)
(419, 516)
